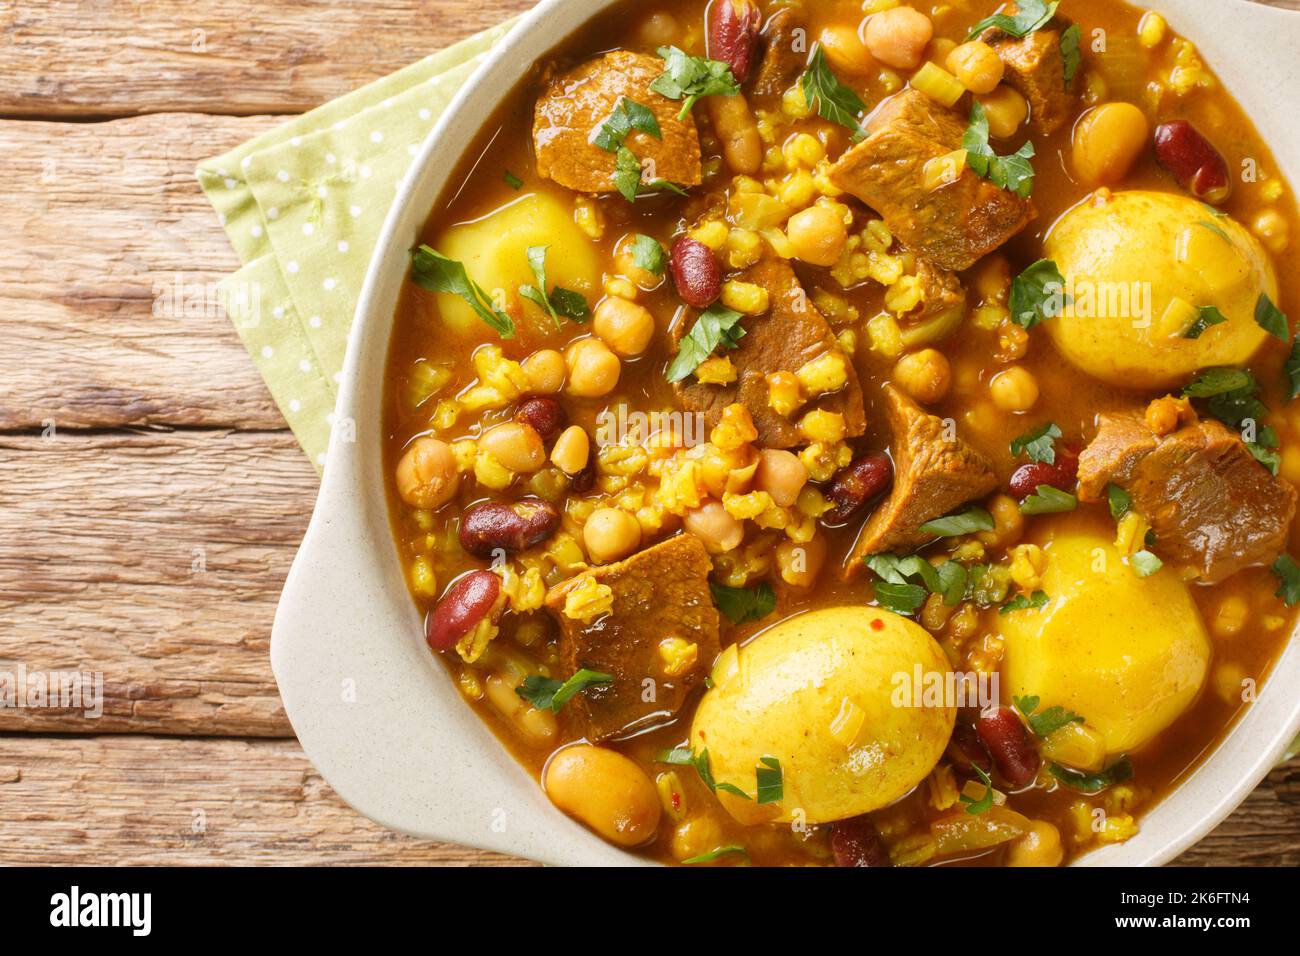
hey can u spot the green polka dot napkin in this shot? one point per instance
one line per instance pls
(303, 205)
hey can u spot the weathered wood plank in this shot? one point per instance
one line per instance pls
(98, 218)
(1264, 830)
(239, 57)
(157, 801)
(156, 559)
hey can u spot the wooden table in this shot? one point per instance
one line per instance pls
(151, 498)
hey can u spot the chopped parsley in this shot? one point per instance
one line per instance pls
(629, 115)
(546, 693)
(1206, 316)
(1120, 501)
(513, 181)
(1014, 173)
(966, 522)
(1039, 444)
(744, 604)
(648, 254)
(627, 173)
(1218, 381)
(1145, 563)
(1264, 449)
(771, 784)
(1038, 294)
(1230, 394)
(1030, 15)
(715, 854)
(431, 270)
(1292, 369)
(1117, 772)
(835, 101)
(1024, 602)
(1287, 573)
(984, 802)
(1070, 52)
(560, 303)
(690, 77)
(717, 326)
(898, 590)
(1048, 500)
(1270, 318)
(1050, 720)
(683, 757)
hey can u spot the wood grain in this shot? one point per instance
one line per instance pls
(156, 559)
(1263, 831)
(80, 58)
(164, 801)
(97, 218)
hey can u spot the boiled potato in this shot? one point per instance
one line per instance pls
(1128, 654)
(494, 250)
(816, 692)
(1140, 265)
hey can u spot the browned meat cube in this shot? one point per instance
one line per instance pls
(953, 225)
(935, 472)
(790, 335)
(1212, 506)
(785, 51)
(1035, 67)
(577, 103)
(659, 593)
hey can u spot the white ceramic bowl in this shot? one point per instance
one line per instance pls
(381, 719)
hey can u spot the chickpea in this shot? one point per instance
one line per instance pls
(611, 534)
(817, 235)
(545, 371)
(660, 29)
(1014, 390)
(781, 474)
(694, 837)
(626, 327)
(898, 37)
(1272, 230)
(427, 476)
(1008, 522)
(571, 450)
(1005, 110)
(799, 564)
(1040, 846)
(516, 446)
(977, 65)
(925, 375)
(535, 726)
(846, 50)
(1108, 139)
(737, 131)
(606, 791)
(593, 368)
(1230, 617)
(716, 529)
(625, 262)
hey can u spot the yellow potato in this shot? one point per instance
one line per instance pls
(817, 692)
(1128, 654)
(1138, 268)
(494, 250)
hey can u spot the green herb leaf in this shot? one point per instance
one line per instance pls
(1030, 15)
(714, 854)
(1038, 294)
(1070, 52)
(743, 604)
(1024, 602)
(691, 77)
(1038, 444)
(1050, 720)
(627, 116)
(1218, 381)
(1270, 318)
(984, 802)
(952, 582)
(627, 173)
(1120, 501)
(734, 790)
(1013, 173)
(678, 756)
(1047, 500)
(988, 584)
(1117, 772)
(1264, 449)
(1145, 563)
(1206, 316)
(648, 254)
(546, 692)
(835, 101)
(561, 302)
(1287, 573)
(1292, 369)
(903, 599)
(513, 181)
(716, 326)
(966, 522)
(771, 784)
(431, 270)
(900, 594)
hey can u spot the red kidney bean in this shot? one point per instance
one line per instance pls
(967, 751)
(695, 272)
(545, 416)
(583, 481)
(469, 600)
(856, 842)
(733, 35)
(1194, 161)
(1062, 474)
(855, 485)
(507, 526)
(1013, 752)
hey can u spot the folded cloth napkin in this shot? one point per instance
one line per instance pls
(303, 205)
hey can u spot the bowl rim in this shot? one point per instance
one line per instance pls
(404, 719)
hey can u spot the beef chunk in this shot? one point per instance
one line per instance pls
(660, 592)
(1035, 67)
(576, 104)
(935, 472)
(1212, 506)
(953, 225)
(784, 35)
(790, 335)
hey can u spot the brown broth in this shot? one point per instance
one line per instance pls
(1067, 397)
